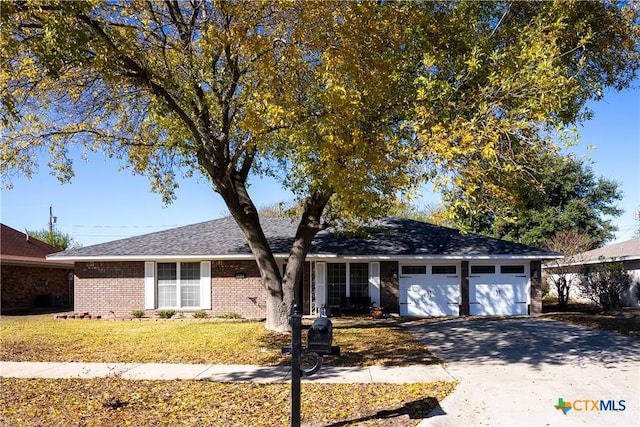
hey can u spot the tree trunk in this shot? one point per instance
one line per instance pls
(242, 209)
(562, 287)
(310, 224)
(280, 294)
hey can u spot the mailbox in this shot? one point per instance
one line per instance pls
(320, 337)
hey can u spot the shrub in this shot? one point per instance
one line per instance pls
(166, 314)
(137, 313)
(231, 315)
(606, 284)
(200, 314)
(545, 288)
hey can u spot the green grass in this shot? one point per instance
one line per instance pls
(42, 338)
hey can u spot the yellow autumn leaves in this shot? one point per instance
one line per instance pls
(359, 100)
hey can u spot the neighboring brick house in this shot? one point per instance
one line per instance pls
(27, 278)
(408, 267)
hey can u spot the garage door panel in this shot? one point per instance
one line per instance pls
(508, 291)
(498, 294)
(498, 300)
(426, 299)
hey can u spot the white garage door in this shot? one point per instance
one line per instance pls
(429, 290)
(498, 290)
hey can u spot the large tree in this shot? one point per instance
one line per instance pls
(350, 104)
(566, 196)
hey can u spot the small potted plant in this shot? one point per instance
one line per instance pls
(377, 312)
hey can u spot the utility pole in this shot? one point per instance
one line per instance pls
(52, 220)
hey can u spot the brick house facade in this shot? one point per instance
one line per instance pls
(416, 270)
(117, 288)
(27, 278)
(109, 288)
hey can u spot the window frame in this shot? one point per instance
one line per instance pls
(180, 285)
(482, 269)
(511, 269)
(444, 270)
(335, 292)
(413, 269)
(363, 274)
(336, 289)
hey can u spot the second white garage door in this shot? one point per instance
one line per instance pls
(498, 290)
(429, 290)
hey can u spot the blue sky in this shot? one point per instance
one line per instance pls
(102, 204)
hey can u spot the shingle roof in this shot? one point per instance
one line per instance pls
(623, 251)
(18, 248)
(391, 237)
(397, 236)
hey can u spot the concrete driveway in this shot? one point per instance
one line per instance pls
(513, 373)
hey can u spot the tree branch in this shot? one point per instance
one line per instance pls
(139, 73)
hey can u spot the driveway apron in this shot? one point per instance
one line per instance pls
(516, 372)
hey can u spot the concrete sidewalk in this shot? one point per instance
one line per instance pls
(222, 373)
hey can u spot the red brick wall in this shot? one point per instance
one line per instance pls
(103, 287)
(244, 296)
(536, 287)
(465, 306)
(21, 285)
(389, 287)
(306, 289)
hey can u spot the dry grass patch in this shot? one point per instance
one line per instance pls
(117, 402)
(49, 340)
(382, 342)
(41, 338)
(625, 322)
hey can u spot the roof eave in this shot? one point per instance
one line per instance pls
(310, 257)
(597, 261)
(42, 263)
(108, 258)
(461, 257)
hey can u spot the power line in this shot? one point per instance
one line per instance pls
(125, 226)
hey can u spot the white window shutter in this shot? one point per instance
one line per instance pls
(321, 284)
(205, 285)
(149, 285)
(374, 282)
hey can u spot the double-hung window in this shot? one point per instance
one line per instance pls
(359, 279)
(178, 284)
(336, 283)
(344, 279)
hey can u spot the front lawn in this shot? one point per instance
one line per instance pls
(44, 339)
(115, 402)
